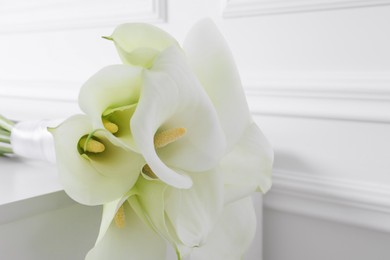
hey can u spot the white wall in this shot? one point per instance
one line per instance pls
(317, 76)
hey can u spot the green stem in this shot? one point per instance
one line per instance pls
(108, 38)
(5, 135)
(4, 132)
(6, 124)
(5, 148)
(5, 138)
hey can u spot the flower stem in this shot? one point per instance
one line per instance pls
(6, 124)
(5, 135)
(4, 138)
(5, 148)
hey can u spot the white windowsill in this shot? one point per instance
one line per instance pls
(28, 187)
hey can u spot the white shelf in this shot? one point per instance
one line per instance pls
(22, 179)
(28, 188)
(37, 215)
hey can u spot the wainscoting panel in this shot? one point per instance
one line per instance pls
(362, 204)
(327, 95)
(244, 8)
(40, 15)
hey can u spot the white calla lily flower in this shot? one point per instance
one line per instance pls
(172, 98)
(141, 46)
(212, 62)
(248, 162)
(95, 171)
(124, 235)
(242, 166)
(110, 97)
(180, 117)
(183, 217)
(232, 235)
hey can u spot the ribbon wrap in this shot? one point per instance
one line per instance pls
(31, 139)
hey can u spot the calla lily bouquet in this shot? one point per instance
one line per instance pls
(167, 145)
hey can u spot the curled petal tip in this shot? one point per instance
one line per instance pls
(108, 38)
(186, 183)
(179, 181)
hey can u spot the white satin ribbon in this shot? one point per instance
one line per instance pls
(31, 139)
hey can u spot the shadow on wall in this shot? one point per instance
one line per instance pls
(288, 160)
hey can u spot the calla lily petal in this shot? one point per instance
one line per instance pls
(93, 179)
(171, 97)
(111, 87)
(143, 57)
(121, 116)
(109, 211)
(247, 168)
(232, 234)
(150, 206)
(139, 44)
(193, 212)
(150, 201)
(132, 241)
(184, 217)
(212, 62)
(115, 160)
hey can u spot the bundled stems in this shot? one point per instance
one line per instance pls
(5, 135)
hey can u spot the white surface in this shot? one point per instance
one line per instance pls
(46, 228)
(22, 179)
(37, 219)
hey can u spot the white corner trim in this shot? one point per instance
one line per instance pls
(351, 202)
(356, 96)
(244, 8)
(43, 15)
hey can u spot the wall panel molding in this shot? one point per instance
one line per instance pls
(346, 201)
(356, 96)
(47, 90)
(38, 99)
(43, 15)
(243, 8)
